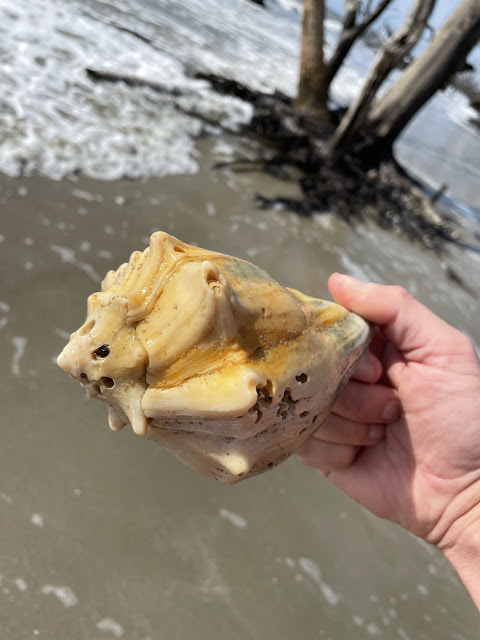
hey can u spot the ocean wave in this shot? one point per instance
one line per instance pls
(55, 120)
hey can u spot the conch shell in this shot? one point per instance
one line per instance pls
(207, 355)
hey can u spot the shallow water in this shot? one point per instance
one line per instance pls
(104, 535)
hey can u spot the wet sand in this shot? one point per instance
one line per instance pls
(105, 535)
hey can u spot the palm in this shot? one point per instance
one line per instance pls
(421, 465)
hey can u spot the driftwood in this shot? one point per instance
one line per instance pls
(428, 73)
(295, 143)
(390, 56)
(132, 81)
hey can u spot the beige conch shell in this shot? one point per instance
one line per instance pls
(211, 358)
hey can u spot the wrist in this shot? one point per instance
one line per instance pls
(462, 548)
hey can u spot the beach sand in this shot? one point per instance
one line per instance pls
(109, 536)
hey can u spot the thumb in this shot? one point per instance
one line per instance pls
(412, 328)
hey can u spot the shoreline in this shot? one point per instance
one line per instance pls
(348, 187)
(388, 193)
(95, 225)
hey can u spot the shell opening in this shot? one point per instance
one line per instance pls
(212, 278)
(107, 382)
(101, 352)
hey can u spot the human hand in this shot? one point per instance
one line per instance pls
(419, 468)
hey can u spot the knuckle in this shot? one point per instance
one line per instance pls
(362, 402)
(466, 345)
(342, 431)
(402, 294)
(324, 432)
(327, 425)
(367, 405)
(353, 434)
(362, 434)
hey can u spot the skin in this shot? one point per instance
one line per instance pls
(403, 439)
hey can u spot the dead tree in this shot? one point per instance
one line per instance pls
(316, 74)
(312, 86)
(390, 56)
(428, 73)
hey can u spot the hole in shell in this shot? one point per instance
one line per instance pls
(107, 382)
(264, 394)
(302, 431)
(96, 388)
(83, 376)
(256, 409)
(302, 378)
(286, 405)
(212, 278)
(102, 352)
(179, 249)
(287, 398)
(304, 414)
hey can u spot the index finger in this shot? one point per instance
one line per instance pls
(408, 324)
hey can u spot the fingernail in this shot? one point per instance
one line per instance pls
(376, 432)
(392, 411)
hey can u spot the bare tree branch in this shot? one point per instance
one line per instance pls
(428, 73)
(376, 13)
(391, 54)
(367, 8)
(350, 14)
(350, 32)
